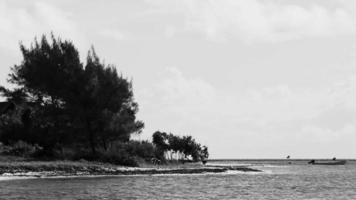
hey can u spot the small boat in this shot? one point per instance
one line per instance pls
(339, 162)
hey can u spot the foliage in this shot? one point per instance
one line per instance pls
(68, 109)
(141, 149)
(20, 148)
(61, 101)
(122, 153)
(183, 147)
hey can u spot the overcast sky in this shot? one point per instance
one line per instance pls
(248, 78)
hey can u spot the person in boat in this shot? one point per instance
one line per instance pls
(334, 162)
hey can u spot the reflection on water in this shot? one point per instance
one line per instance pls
(278, 181)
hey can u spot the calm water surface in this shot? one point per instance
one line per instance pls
(279, 180)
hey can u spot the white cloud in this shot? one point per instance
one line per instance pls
(258, 21)
(24, 21)
(177, 93)
(113, 33)
(263, 117)
(178, 88)
(268, 105)
(326, 135)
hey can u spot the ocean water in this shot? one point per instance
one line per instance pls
(279, 180)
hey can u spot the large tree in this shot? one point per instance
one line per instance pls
(87, 104)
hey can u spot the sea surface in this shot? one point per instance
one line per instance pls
(279, 180)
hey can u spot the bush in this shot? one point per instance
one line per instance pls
(118, 159)
(120, 153)
(115, 155)
(21, 148)
(142, 149)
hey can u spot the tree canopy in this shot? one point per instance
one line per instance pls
(183, 146)
(64, 101)
(58, 103)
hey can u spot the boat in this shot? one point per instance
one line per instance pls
(334, 162)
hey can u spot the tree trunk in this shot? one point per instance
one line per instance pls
(104, 144)
(92, 142)
(91, 137)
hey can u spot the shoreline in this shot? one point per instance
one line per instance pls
(41, 169)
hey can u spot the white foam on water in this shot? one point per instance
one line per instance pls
(229, 164)
(275, 166)
(9, 178)
(232, 172)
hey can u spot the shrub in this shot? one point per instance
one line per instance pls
(118, 159)
(115, 155)
(120, 153)
(21, 148)
(142, 149)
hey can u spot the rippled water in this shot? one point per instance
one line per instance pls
(279, 180)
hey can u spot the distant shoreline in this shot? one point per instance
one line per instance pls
(43, 169)
(277, 159)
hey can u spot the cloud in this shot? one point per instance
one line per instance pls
(174, 91)
(179, 94)
(263, 117)
(113, 33)
(178, 88)
(326, 135)
(22, 21)
(256, 20)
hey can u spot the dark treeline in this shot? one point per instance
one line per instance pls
(183, 147)
(68, 109)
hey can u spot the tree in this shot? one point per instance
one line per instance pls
(72, 103)
(160, 140)
(182, 146)
(106, 107)
(204, 154)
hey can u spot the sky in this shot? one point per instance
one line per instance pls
(247, 78)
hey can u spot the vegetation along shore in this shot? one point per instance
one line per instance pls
(84, 168)
(63, 116)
